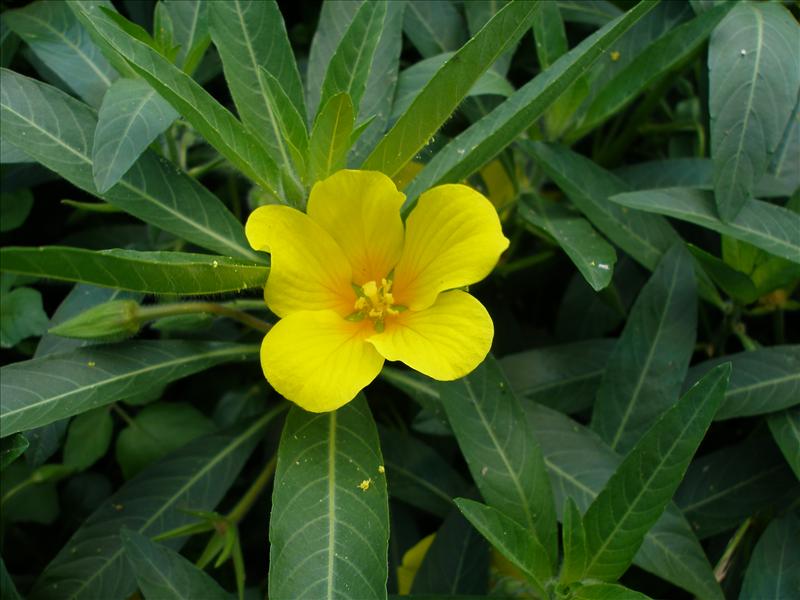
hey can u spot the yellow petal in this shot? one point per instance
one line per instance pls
(445, 341)
(361, 211)
(318, 360)
(308, 270)
(412, 561)
(453, 238)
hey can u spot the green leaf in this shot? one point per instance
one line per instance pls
(645, 237)
(11, 448)
(88, 438)
(21, 316)
(154, 502)
(62, 44)
(594, 257)
(214, 122)
(131, 117)
(580, 464)
(549, 34)
(14, 208)
(42, 390)
(589, 12)
(785, 428)
(646, 369)
(734, 283)
(26, 500)
(763, 381)
(764, 225)
(754, 81)
(190, 30)
(330, 138)
(501, 452)
(434, 26)
(414, 79)
(640, 489)
(57, 131)
(292, 123)
(606, 591)
(156, 431)
(692, 173)
(349, 66)
(518, 544)
(774, 569)
(329, 528)
(669, 52)
(251, 36)
(723, 488)
(418, 475)
(480, 13)
(381, 82)
(564, 377)
(481, 142)
(150, 272)
(574, 543)
(163, 573)
(437, 101)
(457, 561)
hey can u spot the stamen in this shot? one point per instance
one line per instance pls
(376, 302)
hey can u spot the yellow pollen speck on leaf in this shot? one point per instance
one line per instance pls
(381, 469)
(615, 55)
(364, 485)
(91, 363)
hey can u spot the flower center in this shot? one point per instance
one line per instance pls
(375, 302)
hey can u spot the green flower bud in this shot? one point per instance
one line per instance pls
(115, 320)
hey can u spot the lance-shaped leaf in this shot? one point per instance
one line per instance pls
(644, 373)
(131, 117)
(580, 464)
(774, 569)
(518, 544)
(220, 128)
(329, 528)
(197, 476)
(594, 257)
(188, 23)
(149, 272)
(418, 475)
(434, 27)
(644, 237)
(785, 428)
(12, 448)
(163, 573)
(723, 488)
(7, 588)
(251, 36)
(481, 142)
(764, 225)
(763, 381)
(57, 131)
(549, 34)
(501, 451)
(437, 101)
(606, 591)
(292, 124)
(330, 138)
(640, 489)
(349, 66)
(754, 80)
(668, 52)
(62, 44)
(42, 390)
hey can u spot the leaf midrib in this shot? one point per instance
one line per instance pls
(139, 191)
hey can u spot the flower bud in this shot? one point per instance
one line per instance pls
(115, 320)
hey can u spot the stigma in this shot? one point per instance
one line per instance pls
(375, 301)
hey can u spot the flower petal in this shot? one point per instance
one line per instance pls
(308, 270)
(445, 341)
(318, 360)
(453, 238)
(361, 211)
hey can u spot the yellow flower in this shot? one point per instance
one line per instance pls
(353, 287)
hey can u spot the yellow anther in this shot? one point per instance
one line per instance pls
(364, 485)
(375, 302)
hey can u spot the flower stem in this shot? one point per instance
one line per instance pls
(251, 495)
(151, 313)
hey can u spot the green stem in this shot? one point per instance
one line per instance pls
(172, 146)
(151, 313)
(201, 170)
(16, 489)
(524, 263)
(251, 495)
